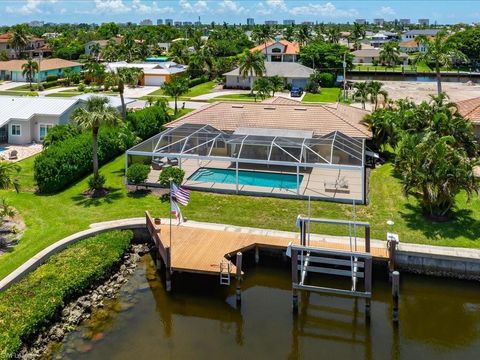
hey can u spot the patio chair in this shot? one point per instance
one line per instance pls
(13, 155)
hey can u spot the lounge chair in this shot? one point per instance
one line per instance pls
(13, 155)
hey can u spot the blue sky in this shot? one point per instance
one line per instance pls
(99, 11)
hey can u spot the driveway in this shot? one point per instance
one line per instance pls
(7, 85)
(139, 91)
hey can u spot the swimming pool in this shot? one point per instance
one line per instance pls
(246, 177)
(3, 151)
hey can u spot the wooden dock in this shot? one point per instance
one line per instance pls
(200, 250)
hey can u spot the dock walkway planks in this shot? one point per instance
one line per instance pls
(201, 250)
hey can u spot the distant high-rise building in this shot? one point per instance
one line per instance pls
(146, 22)
(169, 22)
(361, 21)
(198, 23)
(177, 23)
(159, 21)
(288, 22)
(404, 21)
(424, 22)
(379, 21)
(250, 21)
(271, 22)
(187, 23)
(308, 23)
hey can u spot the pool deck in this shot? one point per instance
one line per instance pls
(23, 151)
(315, 182)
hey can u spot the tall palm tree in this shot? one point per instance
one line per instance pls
(96, 50)
(362, 92)
(333, 35)
(125, 76)
(8, 173)
(19, 38)
(358, 31)
(29, 70)
(175, 88)
(303, 35)
(262, 34)
(375, 90)
(277, 84)
(440, 52)
(252, 64)
(96, 113)
(390, 54)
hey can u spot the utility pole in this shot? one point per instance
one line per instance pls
(344, 76)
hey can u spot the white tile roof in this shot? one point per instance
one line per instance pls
(113, 100)
(25, 107)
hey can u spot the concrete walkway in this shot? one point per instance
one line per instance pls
(8, 85)
(188, 104)
(469, 258)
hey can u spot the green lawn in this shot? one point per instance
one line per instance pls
(13, 93)
(52, 217)
(26, 87)
(240, 97)
(326, 95)
(196, 90)
(64, 94)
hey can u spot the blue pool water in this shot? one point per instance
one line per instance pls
(254, 178)
(3, 150)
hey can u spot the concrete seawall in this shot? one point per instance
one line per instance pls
(453, 262)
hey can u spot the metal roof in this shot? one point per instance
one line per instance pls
(282, 69)
(114, 101)
(25, 107)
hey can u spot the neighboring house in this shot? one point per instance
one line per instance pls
(412, 46)
(154, 74)
(321, 148)
(279, 51)
(470, 109)
(378, 39)
(12, 70)
(35, 47)
(292, 73)
(103, 43)
(25, 119)
(369, 56)
(412, 34)
(165, 46)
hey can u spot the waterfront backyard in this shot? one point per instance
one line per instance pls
(49, 218)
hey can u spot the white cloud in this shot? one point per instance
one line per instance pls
(277, 5)
(327, 9)
(149, 8)
(197, 7)
(386, 10)
(30, 7)
(231, 6)
(263, 10)
(111, 6)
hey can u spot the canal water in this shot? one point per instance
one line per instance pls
(439, 319)
(380, 76)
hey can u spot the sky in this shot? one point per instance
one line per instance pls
(235, 11)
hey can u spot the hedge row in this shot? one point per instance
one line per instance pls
(148, 122)
(37, 300)
(197, 81)
(60, 165)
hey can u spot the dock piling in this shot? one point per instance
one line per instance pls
(294, 280)
(368, 285)
(238, 264)
(395, 294)
(257, 255)
(168, 279)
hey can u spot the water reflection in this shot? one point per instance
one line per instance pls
(438, 319)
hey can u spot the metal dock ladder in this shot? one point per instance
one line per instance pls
(225, 272)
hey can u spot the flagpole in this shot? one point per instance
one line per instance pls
(170, 179)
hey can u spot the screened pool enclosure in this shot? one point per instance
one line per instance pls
(193, 146)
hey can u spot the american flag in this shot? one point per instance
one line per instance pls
(175, 210)
(182, 195)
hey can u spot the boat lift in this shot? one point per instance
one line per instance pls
(355, 263)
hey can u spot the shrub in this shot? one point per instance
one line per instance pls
(96, 182)
(51, 78)
(49, 84)
(35, 301)
(197, 81)
(81, 87)
(137, 173)
(176, 174)
(60, 133)
(327, 80)
(149, 121)
(62, 164)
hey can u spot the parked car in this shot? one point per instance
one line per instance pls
(296, 92)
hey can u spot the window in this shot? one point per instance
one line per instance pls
(44, 130)
(16, 130)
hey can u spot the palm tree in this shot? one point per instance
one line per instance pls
(303, 34)
(263, 87)
(439, 53)
(175, 88)
(358, 31)
(8, 173)
(262, 34)
(390, 54)
(362, 92)
(277, 84)
(19, 38)
(252, 64)
(333, 35)
(375, 90)
(29, 70)
(95, 50)
(95, 114)
(125, 76)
